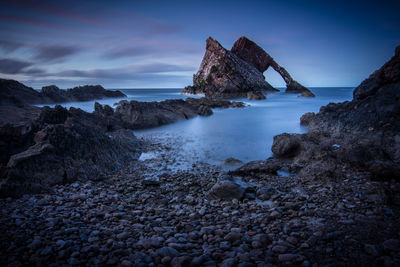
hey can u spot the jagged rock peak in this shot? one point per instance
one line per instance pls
(388, 73)
(238, 72)
(224, 74)
(249, 51)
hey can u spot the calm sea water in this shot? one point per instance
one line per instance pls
(245, 134)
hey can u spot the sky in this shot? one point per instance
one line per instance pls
(160, 44)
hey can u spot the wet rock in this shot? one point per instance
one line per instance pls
(306, 118)
(290, 257)
(168, 252)
(181, 261)
(255, 95)
(232, 161)
(231, 262)
(226, 190)
(269, 166)
(279, 249)
(286, 145)
(266, 192)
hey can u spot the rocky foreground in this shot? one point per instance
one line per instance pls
(203, 217)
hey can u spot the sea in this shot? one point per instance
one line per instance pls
(245, 134)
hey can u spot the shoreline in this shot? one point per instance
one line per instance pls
(123, 220)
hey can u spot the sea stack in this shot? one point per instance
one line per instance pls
(238, 72)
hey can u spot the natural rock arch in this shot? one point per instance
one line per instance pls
(238, 72)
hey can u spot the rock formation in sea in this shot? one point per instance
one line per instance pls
(238, 72)
(362, 134)
(41, 147)
(250, 52)
(139, 115)
(79, 93)
(13, 92)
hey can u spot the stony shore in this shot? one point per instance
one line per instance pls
(144, 216)
(338, 203)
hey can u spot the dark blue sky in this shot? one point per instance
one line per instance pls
(139, 44)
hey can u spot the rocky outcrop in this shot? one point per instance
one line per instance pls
(41, 147)
(250, 52)
(223, 74)
(79, 93)
(362, 134)
(389, 73)
(139, 115)
(59, 146)
(15, 93)
(238, 72)
(255, 96)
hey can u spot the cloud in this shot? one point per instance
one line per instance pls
(9, 46)
(34, 71)
(140, 48)
(13, 66)
(128, 52)
(48, 53)
(128, 72)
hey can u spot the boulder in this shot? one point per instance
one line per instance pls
(226, 190)
(286, 145)
(269, 166)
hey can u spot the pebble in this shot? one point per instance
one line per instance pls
(122, 221)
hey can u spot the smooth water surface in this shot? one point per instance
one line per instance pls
(245, 134)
